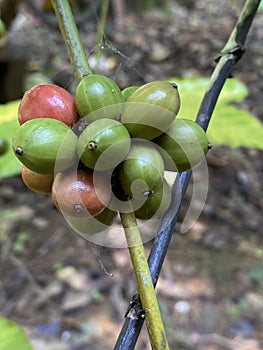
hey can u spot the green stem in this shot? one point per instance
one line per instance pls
(230, 54)
(69, 31)
(238, 36)
(101, 29)
(144, 282)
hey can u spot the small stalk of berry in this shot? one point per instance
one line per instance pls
(70, 33)
(144, 282)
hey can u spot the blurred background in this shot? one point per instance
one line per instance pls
(70, 294)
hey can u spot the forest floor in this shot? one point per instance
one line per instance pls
(71, 294)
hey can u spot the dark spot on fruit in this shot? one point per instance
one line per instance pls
(19, 151)
(175, 86)
(78, 208)
(92, 146)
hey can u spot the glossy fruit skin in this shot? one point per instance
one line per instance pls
(92, 225)
(128, 91)
(74, 193)
(45, 145)
(142, 170)
(98, 92)
(105, 138)
(151, 109)
(40, 183)
(48, 101)
(183, 146)
(3, 146)
(156, 204)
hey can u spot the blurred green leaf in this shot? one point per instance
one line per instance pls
(20, 243)
(256, 274)
(230, 125)
(9, 165)
(58, 266)
(260, 9)
(236, 310)
(96, 295)
(12, 336)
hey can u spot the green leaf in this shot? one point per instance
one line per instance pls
(260, 8)
(230, 125)
(9, 165)
(12, 336)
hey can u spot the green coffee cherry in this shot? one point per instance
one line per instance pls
(98, 92)
(43, 143)
(183, 146)
(142, 171)
(156, 204)
(151, 109)
(103, 144)
(128, 91)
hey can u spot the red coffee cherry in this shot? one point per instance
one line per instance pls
(48, 101)
(76, 193)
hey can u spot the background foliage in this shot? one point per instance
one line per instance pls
(12, 336)
(9, 165)
(231, 125)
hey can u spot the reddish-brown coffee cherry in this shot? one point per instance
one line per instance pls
(48, 101)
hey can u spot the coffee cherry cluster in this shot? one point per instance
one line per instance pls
(104, 150)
